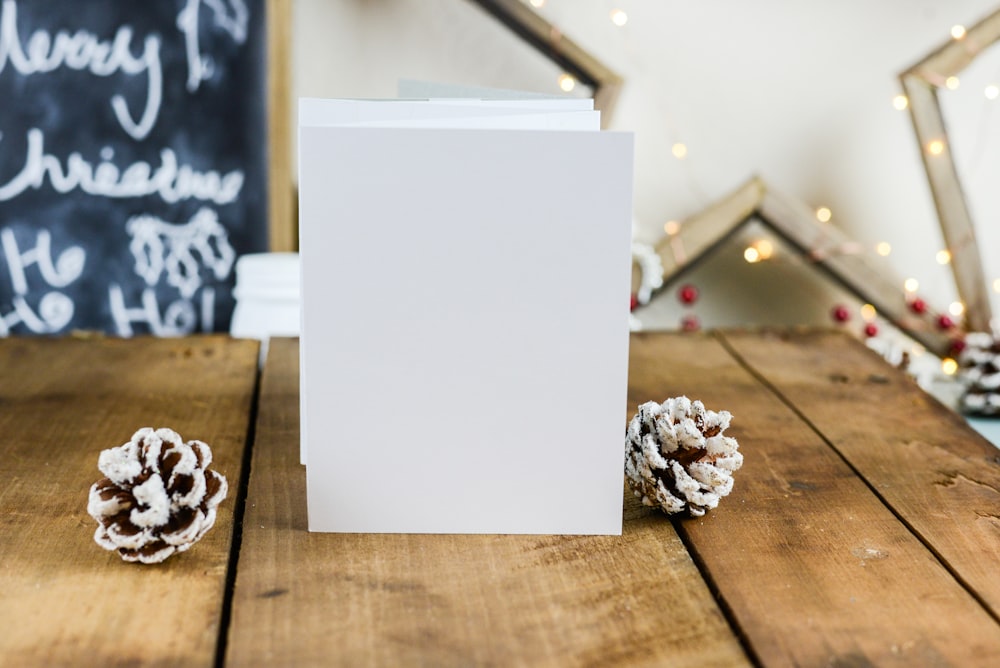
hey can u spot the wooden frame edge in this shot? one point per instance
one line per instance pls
(282, 226)
(560, 49)
(795, 223)
(920, 83)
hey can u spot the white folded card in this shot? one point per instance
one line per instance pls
(465, 280)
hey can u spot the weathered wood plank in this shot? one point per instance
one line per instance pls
(935, 471)
(813, 567)
(350, 599)
(66, 601)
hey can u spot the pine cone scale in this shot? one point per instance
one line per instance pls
(678, 458)
(157, 497)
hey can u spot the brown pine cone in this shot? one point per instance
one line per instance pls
(158, 497)
(677, 457)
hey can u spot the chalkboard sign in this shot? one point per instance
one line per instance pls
(133, 162)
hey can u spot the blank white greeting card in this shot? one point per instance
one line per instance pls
(464, 317)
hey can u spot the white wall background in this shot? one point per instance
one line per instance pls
(799, 93)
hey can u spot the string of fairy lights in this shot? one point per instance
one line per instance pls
(763, 249)
(936, 147)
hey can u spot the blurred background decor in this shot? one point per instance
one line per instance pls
(926, 84)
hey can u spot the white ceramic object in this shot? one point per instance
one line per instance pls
(267, 296)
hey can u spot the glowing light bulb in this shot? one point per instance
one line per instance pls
(958, 31)
(537, 3)
(883, 248)
(949, 366)
(618, 17)
(751, 255)
(566, 83)
(996, 285)
(951, 83)
(956, 308)
(868, 312)
(911, 285)
(764, 248)
(935, 147)
(823, 214)
(671, 227)
(679, 150)
(943, 256)
(992, 92)
(900, 102)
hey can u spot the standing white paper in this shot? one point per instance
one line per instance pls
(464, 335)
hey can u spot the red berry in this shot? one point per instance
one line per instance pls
(633, 302)
(688, 294)
(918, 305)
(957, 346)
(945, 322)
(690, 323)
(840, 313)
(871, 329)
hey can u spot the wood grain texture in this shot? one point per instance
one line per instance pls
(66, 601)
(814, 569)
(939, 475)
(356, 600)
(283, 227)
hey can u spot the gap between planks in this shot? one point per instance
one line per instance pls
(803, 563)
(239, 511)
(724, 339)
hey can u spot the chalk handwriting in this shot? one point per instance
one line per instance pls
(66, 269)
(183, 256)
(55, 310)
(172, 182)
(159, 247)
(42, 53)
(200, 66)
(178, 319)
(234, 23)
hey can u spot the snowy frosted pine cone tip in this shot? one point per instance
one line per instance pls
(979, 372)
(158, 496)
(677, 457)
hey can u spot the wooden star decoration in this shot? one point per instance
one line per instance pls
(921, 83)
(822, 245)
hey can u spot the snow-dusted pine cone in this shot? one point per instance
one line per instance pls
(979, 371)
(158, 497)
(677, 457)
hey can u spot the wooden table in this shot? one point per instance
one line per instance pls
(864, 528)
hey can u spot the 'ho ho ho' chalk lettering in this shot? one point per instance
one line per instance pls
(132, 163)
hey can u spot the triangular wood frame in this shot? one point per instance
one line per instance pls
(554, 45)
(921, 83)
(820, 243)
